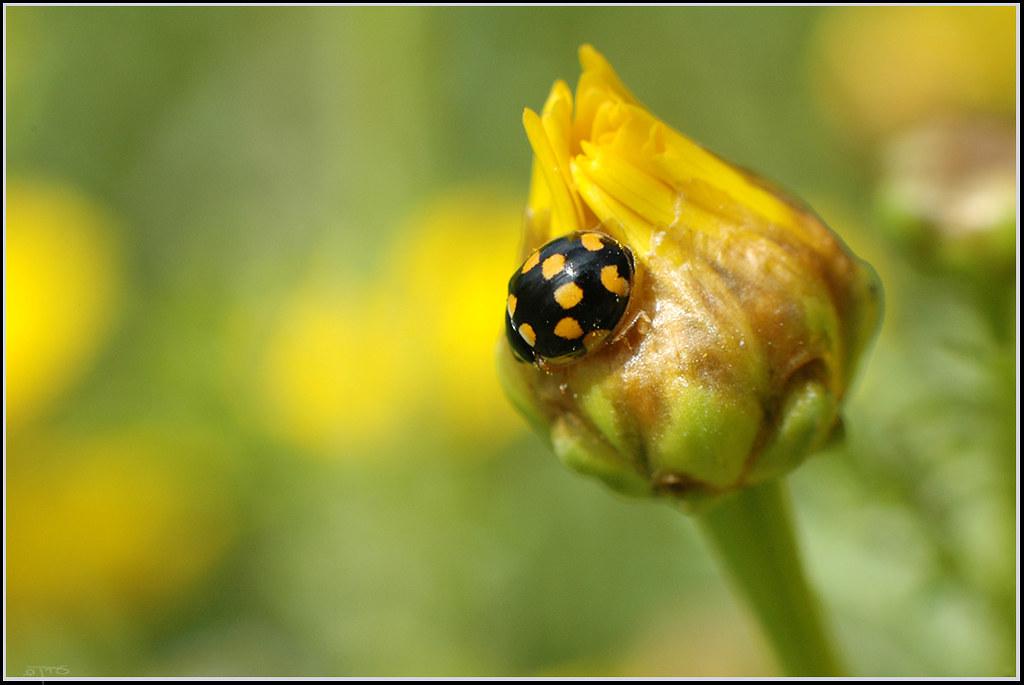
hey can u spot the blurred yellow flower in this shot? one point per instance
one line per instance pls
(107, 524)
(448, 274)
(880, 68)
(333, 376)
(62, 291)
(354, 366)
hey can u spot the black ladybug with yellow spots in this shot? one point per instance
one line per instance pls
(568, 296)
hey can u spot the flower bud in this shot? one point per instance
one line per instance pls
(746, 316)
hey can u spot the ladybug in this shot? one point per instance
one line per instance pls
(567, 297)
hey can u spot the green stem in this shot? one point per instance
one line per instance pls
(752, 532)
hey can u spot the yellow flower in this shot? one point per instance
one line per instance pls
(748, 314)
(62, 292)
(332, 378)
(103, 524)
(881, 68)
(446, 284)
(407, 353)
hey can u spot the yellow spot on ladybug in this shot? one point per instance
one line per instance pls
(568, 328)
(568, 295)
(592, 242)
(615, 283)
(531, 262)
(552, 265)
(526, 330)
(512, 305)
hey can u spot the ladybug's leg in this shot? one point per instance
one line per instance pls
(640, 320)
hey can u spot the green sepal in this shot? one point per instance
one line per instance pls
(707, 436)
(579, 449)
(806, 420)
(518, 391)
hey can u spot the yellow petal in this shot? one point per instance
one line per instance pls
(682, 159)
(651, 199)
(557, 119)
(596, 67)
(614, 215)
(564, 218)
(598, 84)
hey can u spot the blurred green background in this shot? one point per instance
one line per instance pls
(256, 260)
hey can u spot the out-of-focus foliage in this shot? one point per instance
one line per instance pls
(252, 423)
(933, 90)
